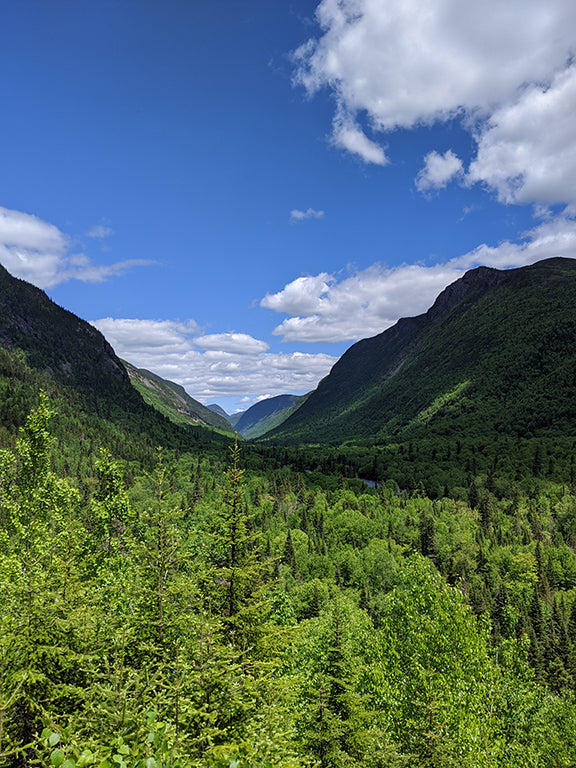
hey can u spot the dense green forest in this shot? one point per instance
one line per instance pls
(207, 604)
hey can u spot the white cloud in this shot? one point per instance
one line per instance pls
(215, 365)
(438, 170)
(348, 135)
(404, 63)
(302, 296)
(325, 309)
(21, 230)
(401, 64)
(296, 215)
(260, 398)
(232, 343)
(527, 153)
(555, 238)
(146, 337)
(38, 252)
(100, 231)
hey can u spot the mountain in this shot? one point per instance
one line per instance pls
(173, 401)
(77, 365)
(265, 415)
(58, 341)
(495, 354)
(219, 410)
(234, 418)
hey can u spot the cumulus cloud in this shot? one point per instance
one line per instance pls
(438, 170)
(323, 308)
(399, 65)
(212, 365)
(403, 64)
(310, 213)
(232, 343)
(554, 238)
(527, 152)
(302, 296)
(40, 253)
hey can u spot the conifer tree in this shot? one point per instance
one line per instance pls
(237, 573)
(42, 597)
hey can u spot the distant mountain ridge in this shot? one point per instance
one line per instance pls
(496, 351)
(265, 415)
(219, 410)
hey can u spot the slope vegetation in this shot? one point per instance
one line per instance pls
(173, 401)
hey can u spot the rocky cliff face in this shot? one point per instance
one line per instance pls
(474, 282)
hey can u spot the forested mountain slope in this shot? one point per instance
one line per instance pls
(173, 401)
(58, 341)
(496, 353)
(74, 358)
(218, 409)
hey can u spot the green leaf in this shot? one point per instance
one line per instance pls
(69, 763)
(57, 757)
(54, 739)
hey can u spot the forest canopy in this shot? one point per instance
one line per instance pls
(190, 611)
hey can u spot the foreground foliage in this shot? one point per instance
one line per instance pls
(192, 613)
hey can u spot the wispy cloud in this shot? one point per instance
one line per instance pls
(347, 134)
(310, 213)
(100, 231)
(40, 253)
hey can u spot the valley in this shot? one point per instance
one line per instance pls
(382, 573)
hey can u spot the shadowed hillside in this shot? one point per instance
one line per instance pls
(495, 353)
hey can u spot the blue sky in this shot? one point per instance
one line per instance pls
(235, 191)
